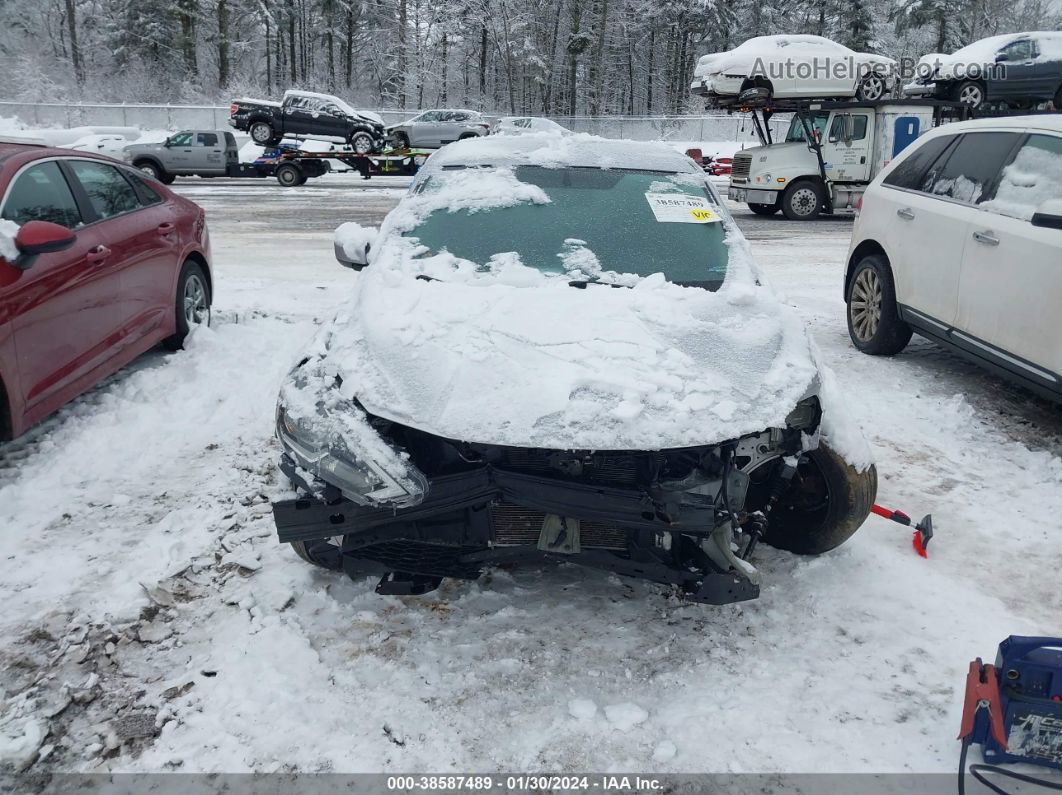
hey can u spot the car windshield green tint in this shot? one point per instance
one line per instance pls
(640, 222)
(796, 127)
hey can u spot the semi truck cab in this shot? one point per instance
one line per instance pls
(830, 152)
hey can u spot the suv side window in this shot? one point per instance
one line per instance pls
(1028, 181)
(430, 116)
(909, 173)
(108, 191)
(40, 193)
(206, 139)
(969, 173)
(1018, 51)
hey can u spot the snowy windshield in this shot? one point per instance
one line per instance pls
(595, 221)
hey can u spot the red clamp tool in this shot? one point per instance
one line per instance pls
(982, 693)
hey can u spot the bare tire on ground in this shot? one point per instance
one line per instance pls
(763, 209)
(874, 321)
(803, 200)
(825, 504)
(362, 143)
(970, 93)
(319, 552)
(290, 175)
(192, 304)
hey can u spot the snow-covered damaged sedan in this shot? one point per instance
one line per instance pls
(561, 349)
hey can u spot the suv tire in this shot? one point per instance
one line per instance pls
(970, 93)
(825, 504)
(803, 200)
(362, 143)
(874, 321)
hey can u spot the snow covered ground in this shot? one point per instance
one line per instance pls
(153, 623)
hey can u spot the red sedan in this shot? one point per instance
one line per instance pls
(98, 264)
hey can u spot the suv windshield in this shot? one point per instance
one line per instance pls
(796, 127)
(625, 221)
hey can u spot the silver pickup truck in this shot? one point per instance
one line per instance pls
(204, 153)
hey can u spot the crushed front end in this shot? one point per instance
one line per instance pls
(374, 497)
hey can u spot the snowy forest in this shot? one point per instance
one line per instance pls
(549, 57)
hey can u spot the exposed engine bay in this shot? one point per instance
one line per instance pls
(687, 517)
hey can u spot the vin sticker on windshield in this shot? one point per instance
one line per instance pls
(681, 208)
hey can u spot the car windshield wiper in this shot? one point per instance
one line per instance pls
(581, 283)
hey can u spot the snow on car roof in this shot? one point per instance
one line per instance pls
(987, 48)
(1051, 122)
(553, 150)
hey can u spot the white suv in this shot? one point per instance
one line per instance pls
(960, 240)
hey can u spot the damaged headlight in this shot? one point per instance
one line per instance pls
(805, 415)
(356, 460)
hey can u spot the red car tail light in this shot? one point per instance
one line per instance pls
(858, 204)
(233, 108)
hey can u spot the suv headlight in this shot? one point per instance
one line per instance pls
(353, 457)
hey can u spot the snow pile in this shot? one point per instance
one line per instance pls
(440, 343)
(354, 239)
(8, 231)
(1034, 177)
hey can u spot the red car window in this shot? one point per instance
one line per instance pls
(108, 191)
(40, 193)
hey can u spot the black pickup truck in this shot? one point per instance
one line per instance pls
(306, 114)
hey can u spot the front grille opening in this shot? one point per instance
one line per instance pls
(515, 525)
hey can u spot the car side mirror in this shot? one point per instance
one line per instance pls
(40, 237)
(1049, 214)
(352, 244)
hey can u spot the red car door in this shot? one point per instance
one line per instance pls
(141, 229)
(60, 309)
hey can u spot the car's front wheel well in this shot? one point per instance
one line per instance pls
(201, 261)
(864, 249)
(6, 420)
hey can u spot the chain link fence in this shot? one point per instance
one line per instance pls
(709, 127)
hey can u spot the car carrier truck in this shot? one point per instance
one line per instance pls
(830, 153)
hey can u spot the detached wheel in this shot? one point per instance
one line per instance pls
(826, 503)
(290, 175)
(320, 553)
(192, 305)
(362, 143)
(871, 88)
(874, 322)
(803, 200)
(970, 93)
(262, 133)
(763, 209)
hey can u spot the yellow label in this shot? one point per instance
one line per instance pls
(701, 215)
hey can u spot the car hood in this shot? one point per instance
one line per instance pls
(649, 367)
(142, 148)
(368, 115)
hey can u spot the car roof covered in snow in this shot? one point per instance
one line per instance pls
(552, 150)
(1051, 122)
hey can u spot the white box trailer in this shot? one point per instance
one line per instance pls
(830, 153)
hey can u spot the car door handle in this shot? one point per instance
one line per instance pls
(165, 228)
(906, 213)
(98, 255)
(987, 238)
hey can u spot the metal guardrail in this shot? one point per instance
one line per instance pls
(693, 128)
